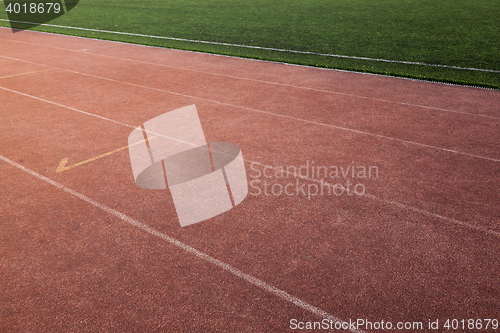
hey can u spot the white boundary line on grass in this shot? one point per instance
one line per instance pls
(261, 47)
(270, 61)
(201, 255)
(263, 81)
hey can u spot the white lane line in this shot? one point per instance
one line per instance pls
(394, 203)
(250, 59)
(69, 107)
(95, 115)
(268, 113)
(201, 255)
(260, 81)
(401, 205)
(287, 85)
(264, 48)
(417, 210)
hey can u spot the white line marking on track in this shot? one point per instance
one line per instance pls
(395, 203)
(93, 115)
(268, 113)
(263, 48)
(248, 278)
(259, 60)
(260, 81)
(295, 86)
(69, 107)
(401, 205)
(417, 210)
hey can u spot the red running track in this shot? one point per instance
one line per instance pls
(86, 250)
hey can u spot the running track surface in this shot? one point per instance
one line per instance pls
(422, 243)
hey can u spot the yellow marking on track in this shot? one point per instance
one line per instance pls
(62, 165)
(43, 70)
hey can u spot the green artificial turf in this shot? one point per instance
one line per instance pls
(442, 32)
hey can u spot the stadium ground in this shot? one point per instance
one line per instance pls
(86, 250)
(447, 41)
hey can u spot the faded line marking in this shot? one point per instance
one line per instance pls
(62, 165)
(264, 81)
(201, 255)
(269, 113)
(265, 48)
(282, 116)
(43, 70)
(420, 211)
(126, 125)
(285, 85)
(93, 115)
(380, 136)
(394, 203)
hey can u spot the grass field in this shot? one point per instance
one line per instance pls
(447, 32)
